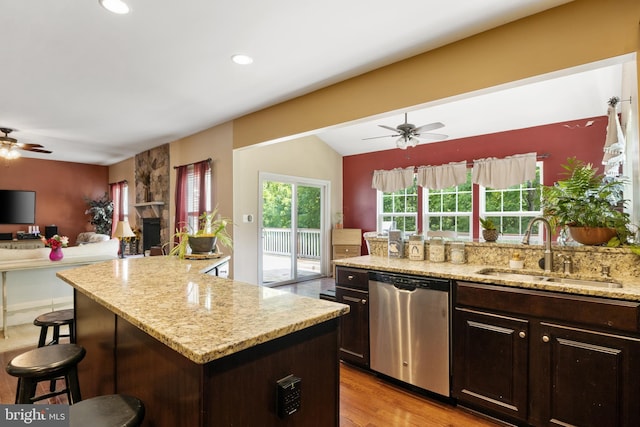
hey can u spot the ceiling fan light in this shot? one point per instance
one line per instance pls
(4, 152)
(115, 6)
(13, 154)
(401, 143)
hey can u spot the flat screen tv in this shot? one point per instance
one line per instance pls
(17, 207)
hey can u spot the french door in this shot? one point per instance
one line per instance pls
(292, 229)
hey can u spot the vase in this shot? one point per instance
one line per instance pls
(56, 254)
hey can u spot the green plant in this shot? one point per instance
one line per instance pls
(585, 198)
(101, 211)
(488, 224)
(210, 224)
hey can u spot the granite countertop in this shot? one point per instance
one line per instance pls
(201, 317)
(630, 289)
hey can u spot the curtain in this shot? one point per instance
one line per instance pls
(200, 171)
(393, 180)
(503, 173)
(443, 176)
(116, 193)
(182, 179)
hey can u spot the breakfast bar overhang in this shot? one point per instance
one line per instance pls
(200, 350)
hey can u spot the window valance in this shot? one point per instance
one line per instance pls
(490, 172)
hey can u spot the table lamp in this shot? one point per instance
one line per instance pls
(123, 229)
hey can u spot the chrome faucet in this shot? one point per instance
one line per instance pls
(548, 255)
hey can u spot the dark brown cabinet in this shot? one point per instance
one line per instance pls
(492, 358)
(352, 289)
(542, 358)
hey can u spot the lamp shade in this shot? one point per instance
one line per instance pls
(123, 229)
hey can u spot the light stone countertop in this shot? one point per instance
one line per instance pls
(201, 317)
(630, 290)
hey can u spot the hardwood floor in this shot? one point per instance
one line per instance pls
(365, 399)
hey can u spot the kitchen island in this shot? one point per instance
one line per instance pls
(201, 350)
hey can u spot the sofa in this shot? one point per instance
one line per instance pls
(32, 287)
(91, 237)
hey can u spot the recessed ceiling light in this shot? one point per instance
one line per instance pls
(242, 59)
(115, 6)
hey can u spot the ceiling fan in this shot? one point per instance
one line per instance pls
(9, 146)
(409, 135)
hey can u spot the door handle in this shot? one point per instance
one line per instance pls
(545, 338)
(522, 334)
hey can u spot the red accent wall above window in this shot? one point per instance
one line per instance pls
(559, 140)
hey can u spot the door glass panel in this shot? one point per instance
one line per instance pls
(308, 231)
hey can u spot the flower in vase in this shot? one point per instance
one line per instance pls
(56, 242)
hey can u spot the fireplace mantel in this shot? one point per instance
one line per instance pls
(155, 206)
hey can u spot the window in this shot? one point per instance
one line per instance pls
(399, 208)
(450, 209)
(193, 193)
(512, 208)
(194, 208)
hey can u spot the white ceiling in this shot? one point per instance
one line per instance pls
(569, 95)
(98, 88)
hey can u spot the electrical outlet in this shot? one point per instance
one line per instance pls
(289, 395)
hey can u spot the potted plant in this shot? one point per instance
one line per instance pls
(212, 229)
(589, 204)
(489, 229)
(101, 211)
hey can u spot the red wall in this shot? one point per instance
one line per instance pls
(60, 191)
(560, 141)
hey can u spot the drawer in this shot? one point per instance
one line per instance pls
(352, 278)
(604, 313)
(345, 251)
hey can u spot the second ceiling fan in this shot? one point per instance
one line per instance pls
(409, 135)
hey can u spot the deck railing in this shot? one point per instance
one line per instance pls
(277, 241)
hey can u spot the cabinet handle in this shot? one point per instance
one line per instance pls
(364, 301)
(545, 338)
(522, 334)
(350, 277)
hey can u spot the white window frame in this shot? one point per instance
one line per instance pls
(426, 215)
(497, 215)
(380, 224)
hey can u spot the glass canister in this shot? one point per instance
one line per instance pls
(416, 247)
(436, 249)
(457, 253)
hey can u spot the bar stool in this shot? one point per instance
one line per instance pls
(55, 319)
(113, 410)
(45, 364)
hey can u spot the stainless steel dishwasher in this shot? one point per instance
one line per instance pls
(409, 329)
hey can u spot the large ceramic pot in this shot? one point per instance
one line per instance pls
(592, 235)
(202, 244)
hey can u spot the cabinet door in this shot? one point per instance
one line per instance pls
(583, 377)
(490, 362)
(354, 326)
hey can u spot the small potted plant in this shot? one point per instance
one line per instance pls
(490, 231)
(212, 229)
(589, 204)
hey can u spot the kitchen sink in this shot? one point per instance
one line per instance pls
(537, 277)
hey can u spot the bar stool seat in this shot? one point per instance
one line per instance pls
(45, 364)
(55, 319)
(113, 410)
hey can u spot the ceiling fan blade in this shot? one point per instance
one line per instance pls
(428, 127)
(435, 136)
(38, 150)
(383, 136)
(389, 128)
(29, 146)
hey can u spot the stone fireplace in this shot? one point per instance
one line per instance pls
(152, 195)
